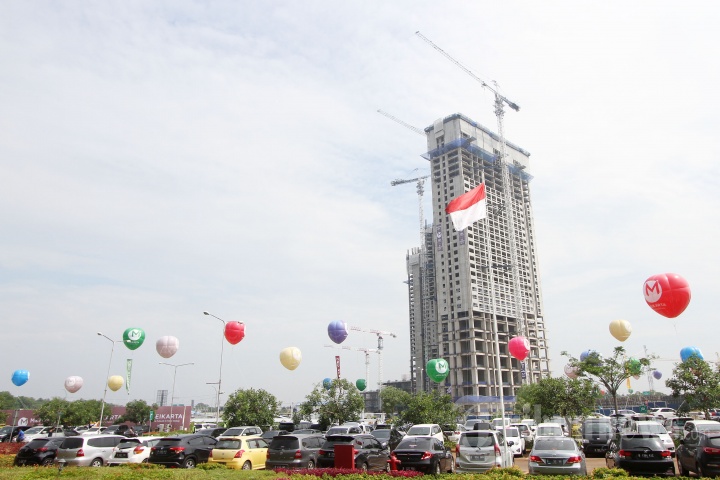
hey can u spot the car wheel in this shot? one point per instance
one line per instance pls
(436, 470)
(311, 464)
(189, 463)
(97, 462)
(699, 470)
(47, 462)
(452, 466)
(364, 467)
(387, 467)
(146, 461)
(247, 465)
(681, 471)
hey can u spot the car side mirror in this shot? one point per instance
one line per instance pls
(510, 443)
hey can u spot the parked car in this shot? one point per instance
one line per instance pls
(549, 430)
(184, 451)
(699, 454)
(556, 456)
(84, 451)
(244, 431)
(640, 454)
(293, 451)
(213, 432)
(39, 451)
(478, 425)
(201, 425)
(427, 429)
(270, 434)
(244, 453)
(370, 454)
(596, 435)
(343, 430)
(619, 422)
(662, 412)
(133, 450)
(306, 431)
(498, 423)
(530, 423)
(515, 440)
(5, 432)
(527, 434)
(426, 454)
(676, 426)
(694, 427)
(121, 429)
(38, 431)
(388, 437)
(477, 451)
(452, 431)
(93, 431)
(657, 429)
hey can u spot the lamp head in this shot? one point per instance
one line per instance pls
(206, 313)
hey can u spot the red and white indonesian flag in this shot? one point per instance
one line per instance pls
(468, 208)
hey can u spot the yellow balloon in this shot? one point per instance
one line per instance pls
(620, 329)
(115, 382)
(290, 358)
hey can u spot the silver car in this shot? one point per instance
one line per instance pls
(478, 451)
(556, 456)
(93, 450)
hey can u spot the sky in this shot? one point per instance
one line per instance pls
(162, 159)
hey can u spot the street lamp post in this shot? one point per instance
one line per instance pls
(172, 395)
(219, 383)
(112, 350)
(217, 390)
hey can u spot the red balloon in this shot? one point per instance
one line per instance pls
(519, 347)
(234, 332)
(667, 293)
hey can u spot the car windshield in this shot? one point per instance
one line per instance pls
(168, 442)
(598, 427)
(337, 430)
(651, 428)
(415, 444)
(233, 432)
(477, 440)
(5, 429)
(708, 427)
(33, 430)
(512, 432)
(381, 434)
(284, 442)
(554, 444)
(127, 444)
(37, 443)
(417, 430)
(337, 439)
(228, 444)
(549, 431)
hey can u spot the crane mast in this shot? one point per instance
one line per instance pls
(500, 102)
(379, 334)
(367, 352)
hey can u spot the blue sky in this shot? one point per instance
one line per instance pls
(165, 158)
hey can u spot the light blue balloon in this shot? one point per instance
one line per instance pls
(327, 383)
(20, 377)
(688, 352)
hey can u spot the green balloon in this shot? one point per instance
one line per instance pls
(133, 337)
(437, 369)
(360, 384)
(633, 366)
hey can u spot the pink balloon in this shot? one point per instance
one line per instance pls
(667, 293)
(234, 332)
(167, 346)
(519, 347)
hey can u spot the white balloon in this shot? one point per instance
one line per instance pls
(570, 371)
(73, 383)
(167, 346)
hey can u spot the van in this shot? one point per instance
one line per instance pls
(294, 451)
(92, 451)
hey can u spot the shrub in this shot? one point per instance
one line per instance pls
(604, 472)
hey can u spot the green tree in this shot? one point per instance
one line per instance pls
(8, 401)
(340, 403)
(250, 407)
(82, 412)
(433, 407)
(698, 382)
(51, 411)
(136, 411)
(394, 400)
(565, 397)
(610, 372)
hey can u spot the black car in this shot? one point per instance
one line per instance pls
(40, 451)
(121, 429)
(213, 432)
(596, 435)
(699, 453)
(640, 454)
(370, 454)
(184, 451)
(427, 454)
(388, 437)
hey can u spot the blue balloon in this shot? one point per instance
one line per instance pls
(337, 331)
(20, 377)
(327, 383)
(657, 374)
(688, 352)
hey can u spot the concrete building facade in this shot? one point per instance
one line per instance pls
(467, 267)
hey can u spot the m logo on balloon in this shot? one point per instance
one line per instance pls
(667, 293)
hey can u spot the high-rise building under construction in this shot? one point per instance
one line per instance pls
(463, 283)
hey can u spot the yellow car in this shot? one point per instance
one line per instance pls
(246, 453)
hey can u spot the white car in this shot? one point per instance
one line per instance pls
(36, 432)
(525, 431)
(513, 435)
(132, 450)
(549, 430)
(427, 430)
(662, 412)
(530, 423)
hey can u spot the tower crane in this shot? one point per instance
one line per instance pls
(367, 351)
(379, 334)
(406, 125)
(500, 102)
